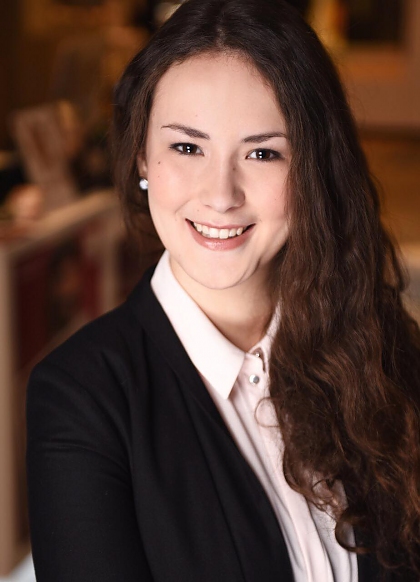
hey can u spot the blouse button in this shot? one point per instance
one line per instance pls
(254, 379)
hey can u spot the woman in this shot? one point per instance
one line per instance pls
(252, 411)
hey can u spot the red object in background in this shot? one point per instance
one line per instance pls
(57, 290)
(31, 288)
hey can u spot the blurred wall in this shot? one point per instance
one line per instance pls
(384, 80)
(10, 20)
(31, 31)
(382, 74)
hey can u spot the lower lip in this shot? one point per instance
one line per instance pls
(217, 244)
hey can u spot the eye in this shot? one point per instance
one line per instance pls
(265, 155)
(187, 149)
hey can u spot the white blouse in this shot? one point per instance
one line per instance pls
(238, 383)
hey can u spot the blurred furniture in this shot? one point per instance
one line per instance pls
(55, 275)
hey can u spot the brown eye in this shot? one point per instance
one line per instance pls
(264, 155)
(187, 149)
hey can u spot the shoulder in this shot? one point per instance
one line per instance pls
(106, 350)
(91, 387)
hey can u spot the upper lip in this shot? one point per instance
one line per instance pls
(227, 226)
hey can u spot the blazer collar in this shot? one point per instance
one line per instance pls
(147, 309)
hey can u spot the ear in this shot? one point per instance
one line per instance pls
(142, 164)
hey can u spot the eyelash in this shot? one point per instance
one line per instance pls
(272, 153)
(180, 149)
(177, 147)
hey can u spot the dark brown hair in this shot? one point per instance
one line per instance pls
(345, 369)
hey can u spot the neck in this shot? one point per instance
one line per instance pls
(243, 332)
(241, 313)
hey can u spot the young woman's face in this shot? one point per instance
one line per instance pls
(217, 159)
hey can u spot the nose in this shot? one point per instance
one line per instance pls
(221, 190)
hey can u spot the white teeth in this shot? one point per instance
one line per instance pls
(220, 233)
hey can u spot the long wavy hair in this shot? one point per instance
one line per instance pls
(345, 366)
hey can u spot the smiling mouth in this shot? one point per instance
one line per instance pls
(219, 233)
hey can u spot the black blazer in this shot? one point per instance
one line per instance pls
(133, 476)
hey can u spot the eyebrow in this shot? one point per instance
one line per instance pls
(196, 133)
(261, 137)
(190, 131)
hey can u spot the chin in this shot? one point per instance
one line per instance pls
(219, 285)
(218, 280)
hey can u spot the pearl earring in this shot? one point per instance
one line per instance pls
(144, 184)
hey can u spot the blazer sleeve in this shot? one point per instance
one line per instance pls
(81, 509)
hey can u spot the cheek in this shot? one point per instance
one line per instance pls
(166, 196)
(162, 216)
(276, 201)
(165, 177)
(172, 187)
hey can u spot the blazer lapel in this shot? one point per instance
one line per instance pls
(253, 526)
(158, 327)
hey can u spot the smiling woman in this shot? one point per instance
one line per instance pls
(229, 178)
(251, 412)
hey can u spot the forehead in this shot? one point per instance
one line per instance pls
(216, 87)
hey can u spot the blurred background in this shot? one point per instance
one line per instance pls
(64, 257)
